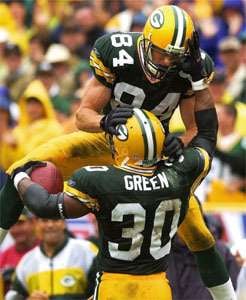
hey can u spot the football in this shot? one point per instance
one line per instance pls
(49, 177)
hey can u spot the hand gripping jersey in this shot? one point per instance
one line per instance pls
(138, 214)
(116, 64)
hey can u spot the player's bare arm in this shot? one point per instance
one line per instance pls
(89, 117)
(95, 97)
(188, 117)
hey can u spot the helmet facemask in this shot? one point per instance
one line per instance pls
(157, 72)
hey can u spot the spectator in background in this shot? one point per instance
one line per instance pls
(82, 73)
(138, 22)
(45, 73)
(5, 121)
(222, 96)
(17, 76)
(23, 233)
(69, 123)
(59, 57)
(37, 47)
(5, 126)
(19, 31)
(37, 122)
(226, 182)
(231, 148)
(123, 20)
(241, 280)
(235, 70)
(61, 267)
(243, 47)
(182, 270)
(4, 36)
(233, 14)
(241, 283)
(74, 38)
(85, 18)
(218, 89)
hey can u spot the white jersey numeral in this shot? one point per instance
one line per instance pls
(163, 110)
(135, 233)
(168, 210)
(124, 58)
(119, 40)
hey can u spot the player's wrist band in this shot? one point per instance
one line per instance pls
(18, 177)
(199, 85)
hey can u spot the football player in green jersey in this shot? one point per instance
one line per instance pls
(158, 70)
(139, 203)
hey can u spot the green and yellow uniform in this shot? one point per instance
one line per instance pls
(138, 215)
(115, 62)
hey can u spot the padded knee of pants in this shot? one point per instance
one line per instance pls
(193, 230)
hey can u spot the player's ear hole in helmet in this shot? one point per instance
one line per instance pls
(139, 142)
(164, 40)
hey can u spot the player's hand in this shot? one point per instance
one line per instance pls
(173, 146)
(193, 65)
(27, 167)
(115, 117)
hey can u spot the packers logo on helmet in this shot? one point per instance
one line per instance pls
(139, 142)
(156, 19)
(167, 31)
(122, 132)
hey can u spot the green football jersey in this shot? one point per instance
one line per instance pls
(115, 62)
(138, 215)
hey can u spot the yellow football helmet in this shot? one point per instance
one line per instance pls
(139, 142)
(167, 31)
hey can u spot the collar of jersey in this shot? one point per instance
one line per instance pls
(58, 249)
(145, 171)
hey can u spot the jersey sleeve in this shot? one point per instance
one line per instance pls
(208, 65)
(100, 60)
(81, 187)
(196, 165)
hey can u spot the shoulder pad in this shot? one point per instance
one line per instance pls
(100, 60)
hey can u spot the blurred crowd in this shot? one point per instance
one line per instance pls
(44, 65)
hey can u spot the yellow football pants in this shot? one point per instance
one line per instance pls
(113, 286)
(72, 151)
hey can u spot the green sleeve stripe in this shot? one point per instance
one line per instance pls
(205, 169)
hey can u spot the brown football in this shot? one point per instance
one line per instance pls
(49, 177)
